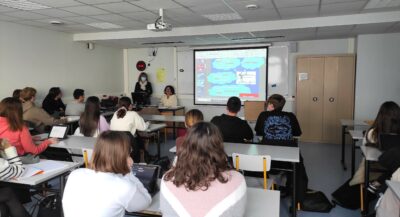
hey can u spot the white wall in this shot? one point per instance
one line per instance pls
(167, 58)
(41, 58)
(378, 73)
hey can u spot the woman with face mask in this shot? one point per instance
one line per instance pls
(143, 86)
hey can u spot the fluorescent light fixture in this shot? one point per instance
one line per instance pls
(223, 17)
(105, 25)
(22, 5)
(372, 4)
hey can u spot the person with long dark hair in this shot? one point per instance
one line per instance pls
(12, 127)
(201, 181)
(108, 187)
(143, 86)
(91, 122)
(53, 103)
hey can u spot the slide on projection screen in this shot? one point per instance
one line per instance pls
(220, 74)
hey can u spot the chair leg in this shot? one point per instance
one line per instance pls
(362, 197)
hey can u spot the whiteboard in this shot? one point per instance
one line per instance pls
(278, 67)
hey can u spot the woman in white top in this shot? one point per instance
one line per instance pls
(130, 121)
(108, 187)
(169, 98)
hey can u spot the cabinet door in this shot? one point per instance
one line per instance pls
(345, 93)
(310, 72)
(331, 125)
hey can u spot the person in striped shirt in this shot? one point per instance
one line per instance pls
(10, 167)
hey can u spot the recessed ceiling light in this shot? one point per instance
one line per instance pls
(252, 6)
(104, 25)
(372, 4)
(22, 5)
(223, 17)
(56, 22)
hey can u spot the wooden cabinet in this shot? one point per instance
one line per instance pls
(325, 94)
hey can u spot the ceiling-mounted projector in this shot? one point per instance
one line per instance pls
(159, 25)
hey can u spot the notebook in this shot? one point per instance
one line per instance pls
(44, 166)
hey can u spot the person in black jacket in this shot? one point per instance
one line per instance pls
(143, 86)
(233, 129)
(53, 104)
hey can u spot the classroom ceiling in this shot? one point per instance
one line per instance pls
(130, 17)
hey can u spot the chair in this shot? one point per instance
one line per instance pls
(254, 163)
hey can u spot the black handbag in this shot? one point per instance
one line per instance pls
(316, 201)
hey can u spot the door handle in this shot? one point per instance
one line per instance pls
(331, 99)
(315, 99)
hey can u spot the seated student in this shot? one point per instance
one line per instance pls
(12, 128)
(201, 181)
(91, 122)
(276, 126)
(124, 119)
(387, 121)
(191, 117)
(35, 115)
(108, 187)
(10, 167)
(241, 132)
(53, 104)
(77, 106)
(16, 93)
(169, 98)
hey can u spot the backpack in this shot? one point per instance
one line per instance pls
(349, 196)
(50, 206)
(316, 201)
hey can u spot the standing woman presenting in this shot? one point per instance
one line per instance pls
(144, 86)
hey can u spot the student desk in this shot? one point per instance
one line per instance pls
(166, 118)
(260, 203)
(395, 187)
(345, 124)
(277, 153)
(36, 180)
(156, 128)
(370, 154)
(356, 135)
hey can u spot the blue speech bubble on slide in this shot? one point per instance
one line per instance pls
(228, 90)
(221, 77)
(226, 63)
(253, 62)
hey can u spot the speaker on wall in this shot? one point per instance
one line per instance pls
(90, 46)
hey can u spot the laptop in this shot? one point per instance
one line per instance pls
(58, 131)
(147, 174)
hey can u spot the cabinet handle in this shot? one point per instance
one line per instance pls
(315, 99)
(331, 99)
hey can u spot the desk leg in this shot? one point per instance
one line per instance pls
(365, 191)
(343, 147)
(294, 207)
(158, 144)
(62, 186)
(173, 126)
(353, 155)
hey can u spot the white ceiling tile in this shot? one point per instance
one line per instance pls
(81, 19)
(340, 1)
(156, 4)
(177, 12)
(6, 9)
(99, 1)
(119, 7)
(26, 15)
(295, 3)
(297, 12)
(58, 3)
(144, 16)
(191, 3)
(85, 10)
(215, 8)
(8, 18)
(342, 8)
(241, 5)
(258, 15)
(52, 12)
(47, 21)
(111, 18)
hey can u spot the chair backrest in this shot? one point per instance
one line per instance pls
(253, 163)
(252, 109)
(388, 141)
